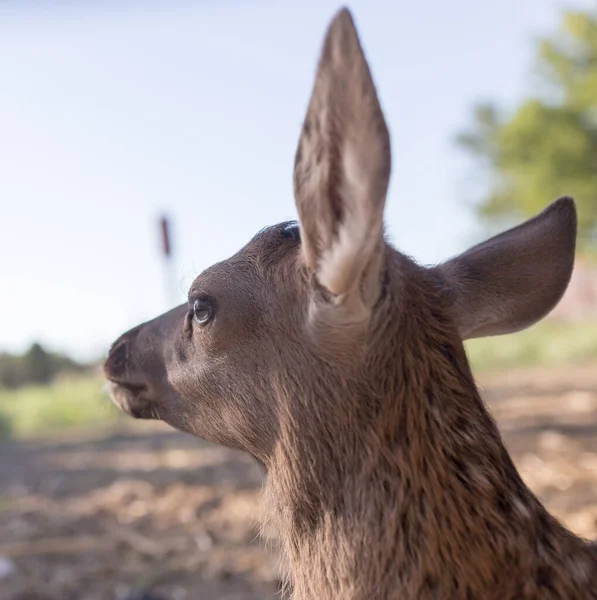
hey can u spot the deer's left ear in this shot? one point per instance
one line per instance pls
(514, 279)
(341, 175)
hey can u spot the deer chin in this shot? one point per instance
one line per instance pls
(131, 401)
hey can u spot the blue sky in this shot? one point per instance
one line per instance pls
(112, 112)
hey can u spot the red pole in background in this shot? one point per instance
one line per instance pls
(165, 229)
(171, 295)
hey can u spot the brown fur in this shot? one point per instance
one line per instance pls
(339, 364)
(406, 490)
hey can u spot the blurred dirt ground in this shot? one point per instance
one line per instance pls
(147, 510)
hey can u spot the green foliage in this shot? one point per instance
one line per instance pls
(548, 343)
(548, 146)
(568, 61)
(43, 409)
(36, 366)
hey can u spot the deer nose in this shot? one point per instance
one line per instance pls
(115, 366)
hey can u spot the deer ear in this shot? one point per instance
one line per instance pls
(342, 169)
(514, 279)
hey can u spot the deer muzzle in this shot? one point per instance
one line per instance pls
(135, 367)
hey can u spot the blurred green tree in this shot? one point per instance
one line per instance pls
(39, 364)
(36, 366)
(548, 146)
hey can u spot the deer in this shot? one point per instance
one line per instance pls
(338, 363)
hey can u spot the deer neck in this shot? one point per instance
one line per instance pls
(410, 493)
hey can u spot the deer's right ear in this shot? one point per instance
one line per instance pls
(341, 174)
(514, 279)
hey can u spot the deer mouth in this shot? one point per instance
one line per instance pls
(130, 398)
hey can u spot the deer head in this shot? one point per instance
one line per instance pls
(310, 346)
(299, 303)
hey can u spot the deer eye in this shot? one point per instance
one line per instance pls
(202, 311)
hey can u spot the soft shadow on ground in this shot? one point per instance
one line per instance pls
(142, 509)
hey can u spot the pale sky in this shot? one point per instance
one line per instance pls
(112, 112)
